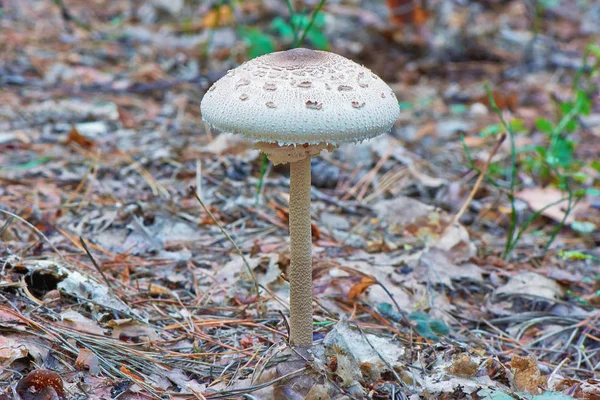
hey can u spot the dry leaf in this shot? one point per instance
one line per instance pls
(539, 198)
(80, 323)
(86, 359)
(359, 288)
(531, 284)
(218, 16)
(76, 137)
(130, 374)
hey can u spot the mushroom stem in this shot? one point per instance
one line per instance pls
(300, 273)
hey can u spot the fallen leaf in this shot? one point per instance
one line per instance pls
(359, 288)
(15, 346)
(531, 284)
(86, 359)
(218, 16)
(80, 323)
(539, 199)
(130, 374)
(405, 215)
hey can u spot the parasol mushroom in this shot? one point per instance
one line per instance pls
(295, 104)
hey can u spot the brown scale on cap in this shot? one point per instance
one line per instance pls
(269, 86)
(313, 105)
(242, 82)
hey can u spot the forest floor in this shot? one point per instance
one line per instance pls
(118, 282)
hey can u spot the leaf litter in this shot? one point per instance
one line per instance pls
(410, 303)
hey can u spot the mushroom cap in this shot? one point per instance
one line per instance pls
(301, 96)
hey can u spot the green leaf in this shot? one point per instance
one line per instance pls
(563, 152)
(419, 316)
(439, 327)
(31, 164)
(571, 126)
(496, 169)
(430, 329)
(594, 49)
(318, 39)
(544, 125)
(517, 125)
(282, 28)
(387, 311)
(584, 102)
(566, 107)
(491, 130)
(259, 43)
(458, 108)
(425, 331)
(301, 21)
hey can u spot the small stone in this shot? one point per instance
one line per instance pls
(449, 128)
(335, 221)
(478, 110)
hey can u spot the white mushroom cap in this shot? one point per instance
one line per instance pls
(301, 96)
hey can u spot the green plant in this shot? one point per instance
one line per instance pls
(259, 43)
(300, 27)
(311, 26)
(552, 162)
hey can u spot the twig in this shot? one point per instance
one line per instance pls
(95, 263)
(479, 180)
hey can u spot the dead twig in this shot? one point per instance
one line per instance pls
(87, 251)
(475, 189)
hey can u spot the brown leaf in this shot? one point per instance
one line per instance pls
(359, 288)
(130, 374)
(407, 11)
(503, 100)
(539, 198)
(76, 137)
(218, 16)
(86, 359)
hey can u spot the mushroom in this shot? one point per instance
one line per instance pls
(294, 104)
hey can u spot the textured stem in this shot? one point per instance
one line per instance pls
(300, 273)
